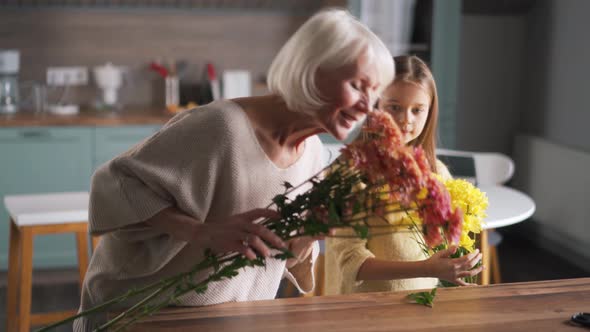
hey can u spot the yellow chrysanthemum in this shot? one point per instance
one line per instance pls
(473, 202)
(467, 241)
(384, 193)
(422, 194)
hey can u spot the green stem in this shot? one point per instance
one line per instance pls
(101, 307)
(137, 306)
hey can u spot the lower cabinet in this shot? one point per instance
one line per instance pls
(40, 160)
(112, 141)
(55, 159)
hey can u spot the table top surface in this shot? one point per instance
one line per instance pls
(541, 306)
(506, 206)
(47, 209)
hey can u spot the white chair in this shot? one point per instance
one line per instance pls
(32, 215)
(490, 168)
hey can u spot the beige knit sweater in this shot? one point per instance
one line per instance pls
(344, 257)
(207, 162)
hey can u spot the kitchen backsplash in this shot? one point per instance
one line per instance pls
(134, 38)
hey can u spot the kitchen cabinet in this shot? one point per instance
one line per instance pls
(54, 159)
(112, 141)
(38, 160)
(446, 44)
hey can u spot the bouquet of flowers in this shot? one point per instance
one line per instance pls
(473, 202)
(375, 175)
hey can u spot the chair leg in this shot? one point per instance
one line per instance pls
(82, 244)
(496, 275)
(24, 316)
(13, 277)
(485, 252)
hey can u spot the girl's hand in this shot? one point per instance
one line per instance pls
(238, 233)
(453, 269)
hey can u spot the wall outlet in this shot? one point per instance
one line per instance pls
(61, 76)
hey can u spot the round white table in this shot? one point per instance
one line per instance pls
(506, 206)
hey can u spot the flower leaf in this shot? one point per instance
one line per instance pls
(361, 230)
(333, 214)
(423, 298)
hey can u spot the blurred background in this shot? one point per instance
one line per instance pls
(83, 80)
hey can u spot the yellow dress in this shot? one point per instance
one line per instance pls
(344, 257)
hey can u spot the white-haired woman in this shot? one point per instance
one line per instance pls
(202, 180)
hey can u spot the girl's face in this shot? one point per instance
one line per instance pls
(409, 105)
(347, 91)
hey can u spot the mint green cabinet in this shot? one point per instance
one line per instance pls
(54, 159)
(446, 45)
(112, 141)
(38, 160)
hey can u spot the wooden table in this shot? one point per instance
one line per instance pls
(532, 306)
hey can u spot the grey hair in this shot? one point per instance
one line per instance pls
(330, 39)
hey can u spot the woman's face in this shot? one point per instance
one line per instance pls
(409, 105)
(347, 91)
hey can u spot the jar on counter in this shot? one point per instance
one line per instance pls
(9, 67)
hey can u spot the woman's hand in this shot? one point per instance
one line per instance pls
(238, 233)
(443, 267)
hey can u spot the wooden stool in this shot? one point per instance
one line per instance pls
(32, 215)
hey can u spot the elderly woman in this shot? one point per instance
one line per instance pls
(201, 181)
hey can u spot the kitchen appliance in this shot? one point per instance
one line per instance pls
(109, 78)
(9, 67)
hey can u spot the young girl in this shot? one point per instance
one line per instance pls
(396, 261)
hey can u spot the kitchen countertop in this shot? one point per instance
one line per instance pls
(91, 118)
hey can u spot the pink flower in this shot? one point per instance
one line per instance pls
(454, 226)
(432, 235)
(384, 161)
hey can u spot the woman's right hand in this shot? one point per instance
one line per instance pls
(238, 233)
(442, 266)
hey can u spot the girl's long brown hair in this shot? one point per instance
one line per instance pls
(411, 69)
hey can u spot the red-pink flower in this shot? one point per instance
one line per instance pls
(432, 235)
(384, 161)
(454, 226)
